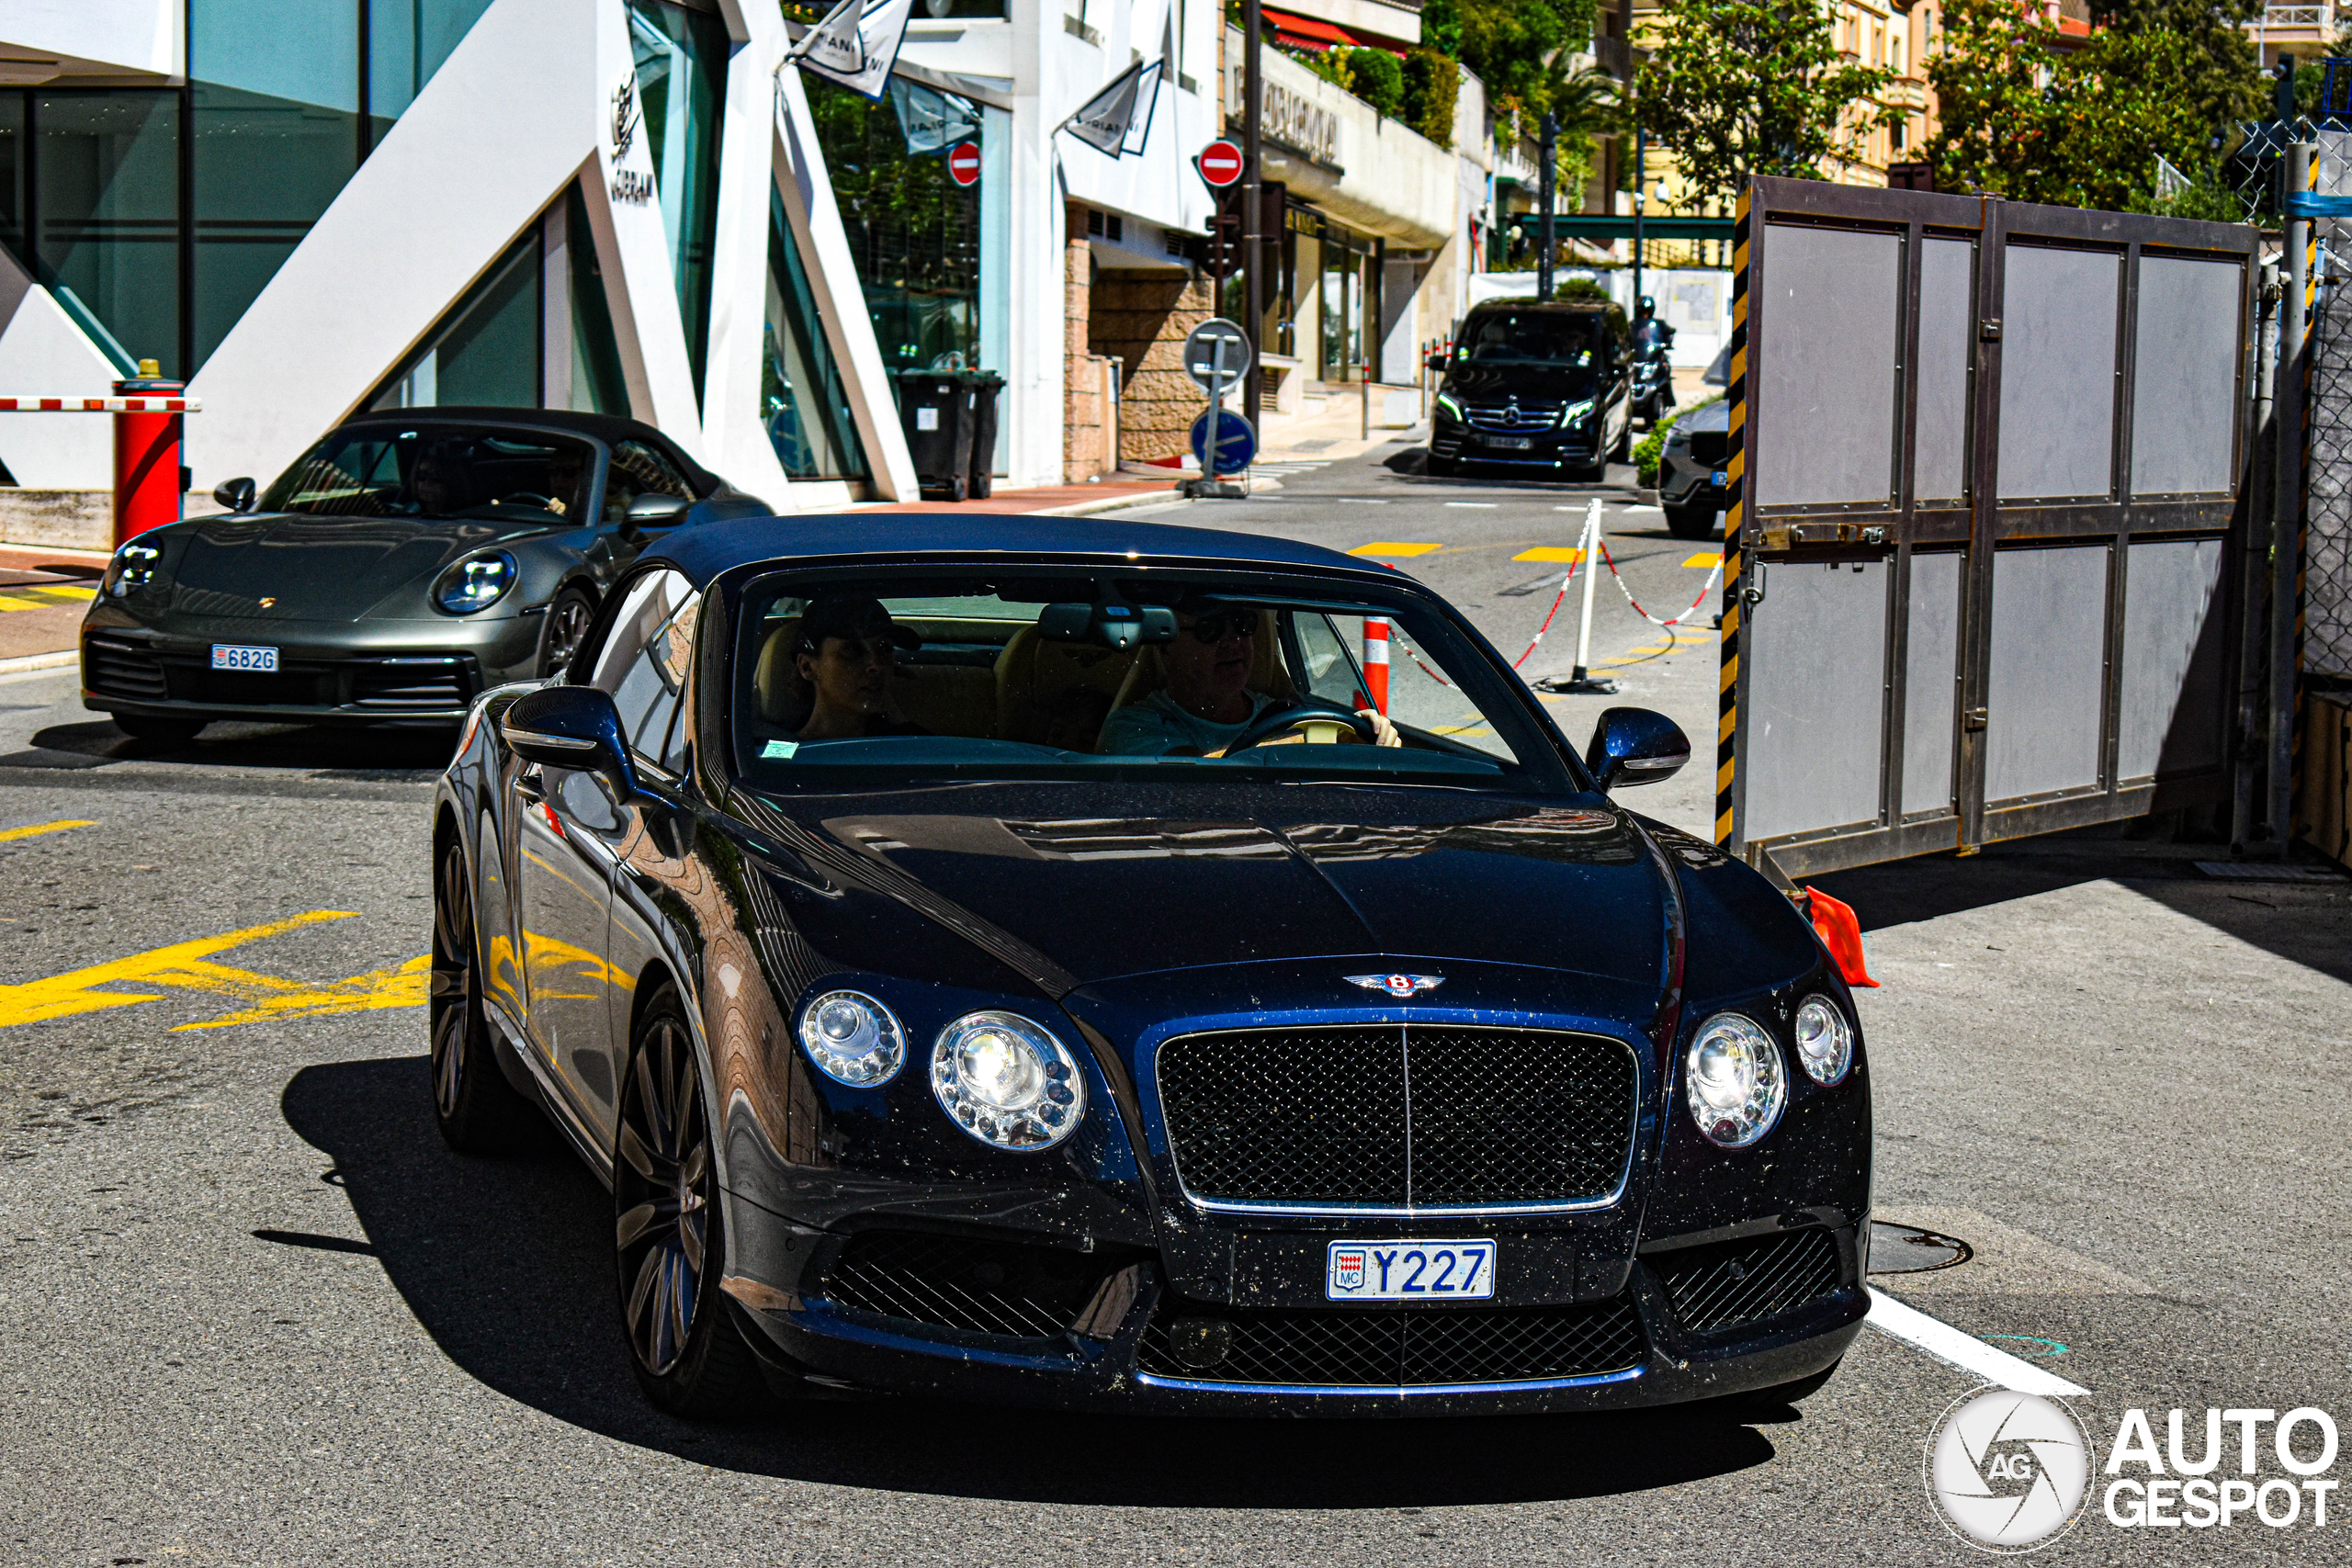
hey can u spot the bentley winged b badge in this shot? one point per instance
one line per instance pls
(1398, 985)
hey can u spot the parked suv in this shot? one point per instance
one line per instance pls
(1537, 386)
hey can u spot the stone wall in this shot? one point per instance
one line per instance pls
(59, 519)
(1085, 442)
(1141, 319)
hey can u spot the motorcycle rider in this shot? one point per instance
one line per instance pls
(1652, 338)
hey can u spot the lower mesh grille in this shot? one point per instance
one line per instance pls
(984, 1286)
(1742, 1281)
(1406, 1348)
(122, 670)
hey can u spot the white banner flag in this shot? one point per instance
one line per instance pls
(856, 44)
(1103, 120)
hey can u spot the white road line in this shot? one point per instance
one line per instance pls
(1486, 505)
(1358, 501)
(1629, 510)
(1967, 1352)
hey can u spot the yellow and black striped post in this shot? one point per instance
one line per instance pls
(1735, 472)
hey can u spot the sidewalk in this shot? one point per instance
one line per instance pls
(42, 595)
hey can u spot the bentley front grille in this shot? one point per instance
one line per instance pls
(1391, 1347)
(1419, 1116)
(1738, 1283)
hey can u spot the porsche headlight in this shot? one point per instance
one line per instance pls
(1449, 406)
(476, 583)
(1733, 1080)
(1825, 1040)
(133, 567)
(853, 1039)
(1007, 1081)
(1576, 414)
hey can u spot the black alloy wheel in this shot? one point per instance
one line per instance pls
(476, 1109)
(687, 1352)
(158, 731)
(568, 620)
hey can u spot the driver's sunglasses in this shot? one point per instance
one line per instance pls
(1214, 629)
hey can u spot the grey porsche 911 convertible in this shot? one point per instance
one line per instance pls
(410, 560)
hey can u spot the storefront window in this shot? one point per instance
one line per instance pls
(598, 383)
(407, 41)
(273, 112)
(803, 401)
(913, 232)
(485, 351)
(681, 81)
(107, 171)
(13, 159)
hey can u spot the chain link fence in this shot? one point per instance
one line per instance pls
(2327, 536)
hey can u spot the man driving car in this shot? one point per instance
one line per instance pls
(1207, 703)
(848, 648)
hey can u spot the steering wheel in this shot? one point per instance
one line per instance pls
(1311, 710)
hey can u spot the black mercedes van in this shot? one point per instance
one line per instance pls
(1536, 389)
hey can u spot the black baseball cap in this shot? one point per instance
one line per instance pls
(851, 614)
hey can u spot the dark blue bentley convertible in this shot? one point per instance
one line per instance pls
(1029, 967)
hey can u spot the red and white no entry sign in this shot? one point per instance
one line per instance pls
(1220, 164)
(964, 162)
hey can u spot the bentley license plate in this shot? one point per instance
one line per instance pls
(227, 656)
(1510, 442)
(1409, 1271)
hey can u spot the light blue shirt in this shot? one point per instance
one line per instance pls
(1159, 724)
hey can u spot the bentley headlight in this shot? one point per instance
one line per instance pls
(1007, 1081)
(1734, 1080)
(1576, 414)
(476, 582)
(1825, 1040)
(1449, 406)
(133, 567)
(853, 1039)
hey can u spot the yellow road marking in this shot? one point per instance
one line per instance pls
(1567, 555)
(186, 966)
(1706, 560)
(1391, 547)
(40, 827)
(45, 595)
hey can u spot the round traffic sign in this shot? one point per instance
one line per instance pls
(1216, 355)
(1237, 443)
(964, 162)
(1220, 164)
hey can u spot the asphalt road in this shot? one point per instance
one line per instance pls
(254, 1313)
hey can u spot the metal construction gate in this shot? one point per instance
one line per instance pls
(1985, 459)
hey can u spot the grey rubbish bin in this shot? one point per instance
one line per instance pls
(985, 385)
(935, 408)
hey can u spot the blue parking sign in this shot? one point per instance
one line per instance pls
(1237, 443)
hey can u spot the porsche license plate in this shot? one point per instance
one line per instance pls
(1409, 1271)
(228, 656)
(1510, 442)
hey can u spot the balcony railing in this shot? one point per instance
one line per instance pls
(2315, 18)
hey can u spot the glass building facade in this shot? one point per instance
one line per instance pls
(914, 233)
(680, 82)
(803, 401)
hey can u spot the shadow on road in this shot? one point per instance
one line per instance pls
(508, 1265)
(2308, 923)
(373, 752)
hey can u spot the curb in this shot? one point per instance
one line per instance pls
(62, 660)
(1108, 503)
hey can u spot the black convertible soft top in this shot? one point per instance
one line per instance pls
(608, 428)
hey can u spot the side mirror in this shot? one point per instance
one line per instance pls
(237, 495)
(1635, 746)
(571, 726)
(654, 512)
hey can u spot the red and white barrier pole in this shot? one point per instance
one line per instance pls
(148, 479)
(1376, 660)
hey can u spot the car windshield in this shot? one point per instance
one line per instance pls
(1068, 675)
(1545, 337)
(452, 471)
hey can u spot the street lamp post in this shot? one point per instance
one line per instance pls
(1640, 151)
(1550, 153)
(1253, 260)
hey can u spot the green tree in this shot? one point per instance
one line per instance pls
(1441, 27)
(1741, 87)
(1515, 46)
(1432, 86)
(2083, 127)
(1379, 80)
(2213, 69)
